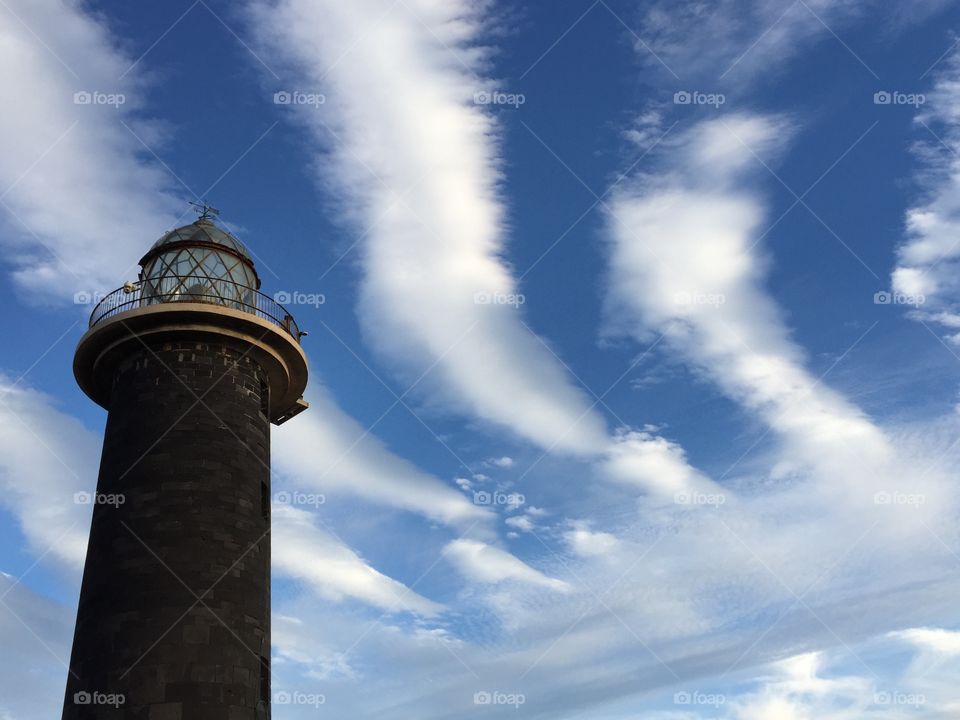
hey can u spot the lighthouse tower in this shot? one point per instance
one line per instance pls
(192, 364)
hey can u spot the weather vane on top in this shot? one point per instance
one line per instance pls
(205, 210)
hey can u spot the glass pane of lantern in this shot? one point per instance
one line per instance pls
(196, 270)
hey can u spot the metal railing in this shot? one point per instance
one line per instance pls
(214, 292)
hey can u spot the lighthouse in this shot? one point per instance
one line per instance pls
(192, 363)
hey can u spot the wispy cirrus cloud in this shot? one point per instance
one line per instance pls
(928, 261)
(328, 451)
(417, 164)
(734, 46)
(937, 640)
(407, 142)
(79, 200)
(833, 685)
(48, 468)
(36, 632)
(485, 563)
(685, 261)
(311, 554)
(732, 42)
(718, 619)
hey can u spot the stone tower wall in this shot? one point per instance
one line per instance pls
(174, 612)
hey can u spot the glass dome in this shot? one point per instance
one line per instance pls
(199, 263)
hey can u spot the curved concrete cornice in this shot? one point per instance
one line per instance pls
(104, 345)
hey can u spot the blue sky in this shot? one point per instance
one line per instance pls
(654, 323)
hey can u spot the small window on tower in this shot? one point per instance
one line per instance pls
(264, 398)
(265, 500)
(265, 679)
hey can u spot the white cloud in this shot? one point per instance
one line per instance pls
(327, 450)
(652, 461)
(685, 263)
(933, 669)
(938, 640)
(699, 566)
(798, 692)
(815, 686)
(484, 563)
(46, 457)
(928, 261)
(79, 201)
(36, 637)
(417, 163)
(714, 586)
(736, 41)
(422, 160)
(304, 551)
(292, 643)
(520, 522)
(731, 38)
(585, 542)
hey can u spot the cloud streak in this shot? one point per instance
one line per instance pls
(336, 573)
(328, 451)
(733, 42)
(487, 564)
(928, 261)
(685, 262)
(78, 198)
(47, 457)
(416, 163)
